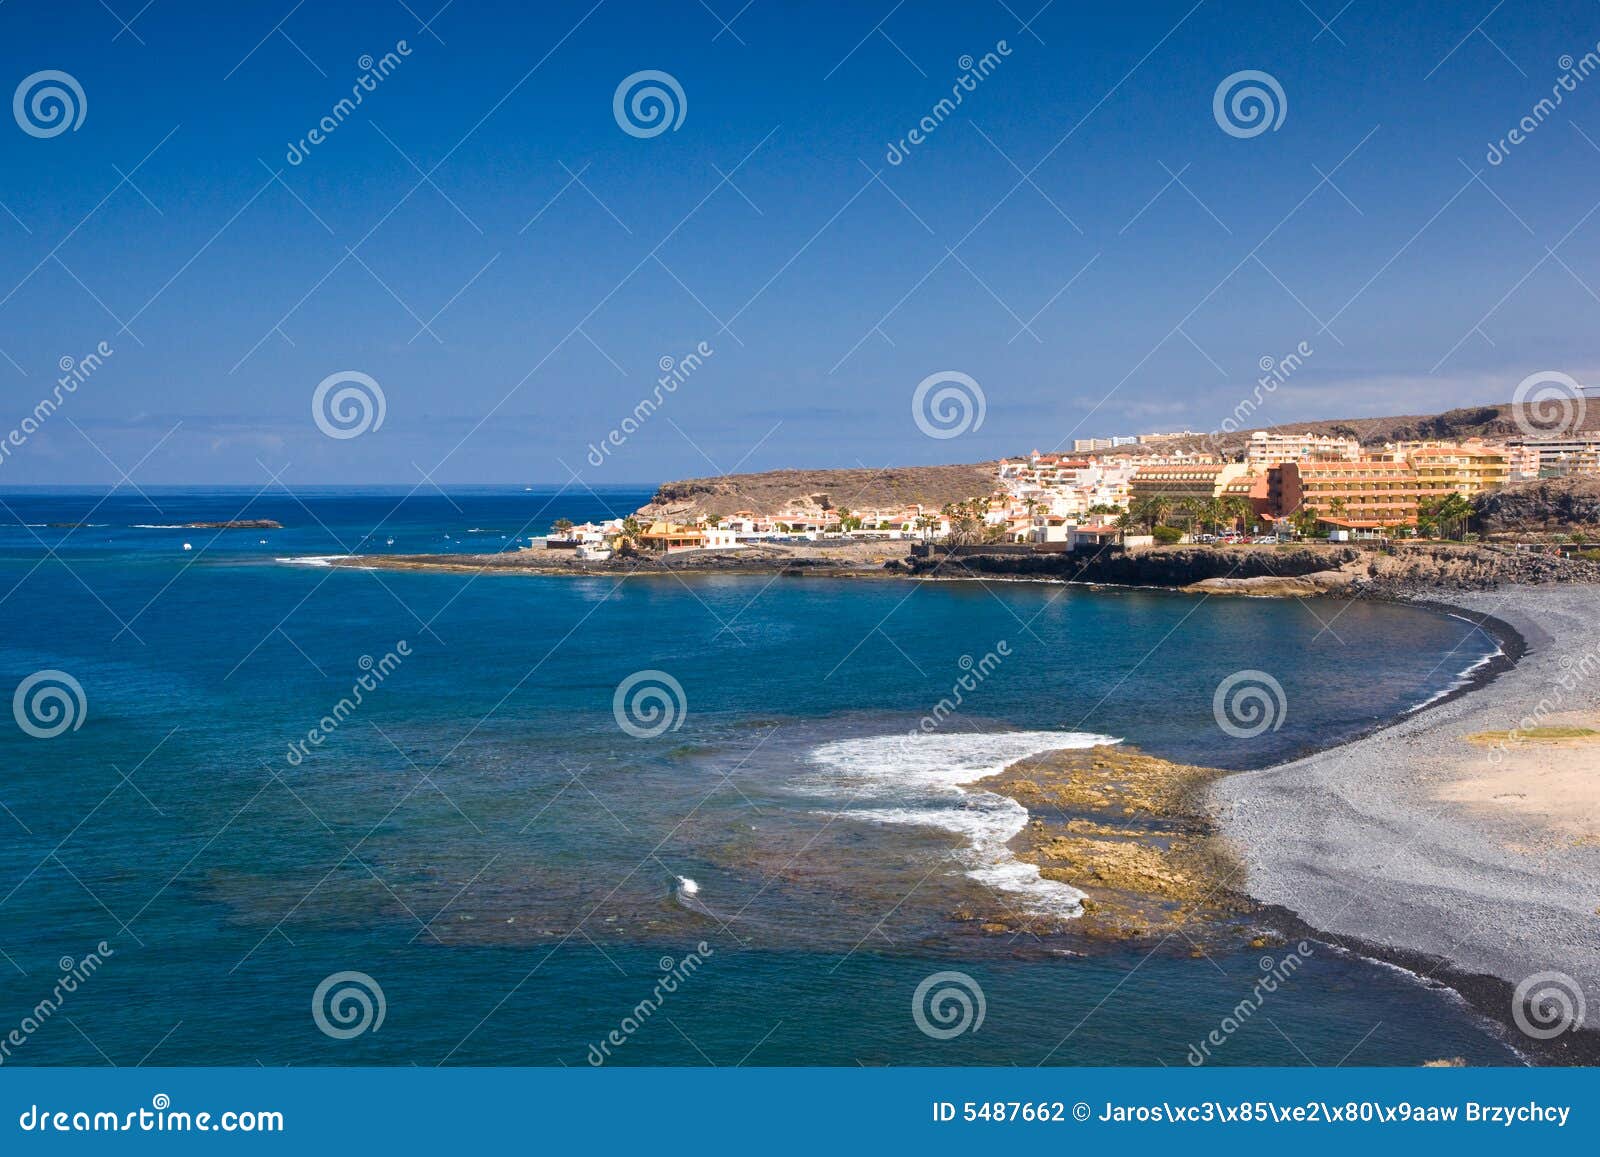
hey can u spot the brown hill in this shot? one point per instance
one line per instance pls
(1553, 505)
(931, 486)
(1466, 422)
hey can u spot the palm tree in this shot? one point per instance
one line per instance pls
(1428, 515)
(1453, 512)
(562, 526)
(1154, 510)
(965, 522)
(1238, 509)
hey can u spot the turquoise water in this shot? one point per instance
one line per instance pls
(482, 838)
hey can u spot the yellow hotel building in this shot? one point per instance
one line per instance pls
(1466, 470)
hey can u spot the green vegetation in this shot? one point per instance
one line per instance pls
(967, 520)
(1443, 516)
(1534, 733)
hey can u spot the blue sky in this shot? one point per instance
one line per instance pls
(514, 305)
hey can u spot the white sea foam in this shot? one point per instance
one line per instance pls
(313, 559)
(687, 895)
(920, 779)
(1462, 679)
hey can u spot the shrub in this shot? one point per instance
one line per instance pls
(1166, 535)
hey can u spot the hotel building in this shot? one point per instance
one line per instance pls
(1194, 480)
(1363, 495)
(1466, 469)
(1267, 449)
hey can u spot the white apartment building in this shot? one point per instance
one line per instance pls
(1267, 449)
(1573, 453)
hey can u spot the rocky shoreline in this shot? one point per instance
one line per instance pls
(846, 560)
(1132, 832)
(1302, 570)
(1276, 571)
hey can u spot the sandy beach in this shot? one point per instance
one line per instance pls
(1438, 840)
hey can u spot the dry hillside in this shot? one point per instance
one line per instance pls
(932, 486)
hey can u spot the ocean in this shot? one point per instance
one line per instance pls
(297, 814)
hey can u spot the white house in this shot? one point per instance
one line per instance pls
(720, 537)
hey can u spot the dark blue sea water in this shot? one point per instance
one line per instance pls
(516, 871)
